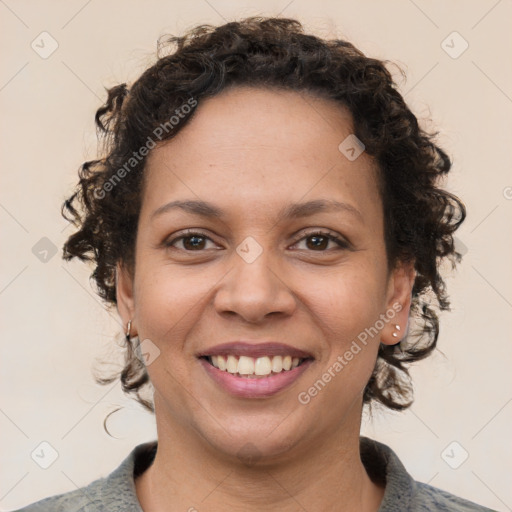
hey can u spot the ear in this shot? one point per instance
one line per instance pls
(124, 296)
(398, 303)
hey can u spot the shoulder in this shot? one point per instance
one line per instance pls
(428, 498)
(85, 499)
(402, 492)
(115, 492)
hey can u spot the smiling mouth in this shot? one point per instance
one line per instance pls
(252, 367)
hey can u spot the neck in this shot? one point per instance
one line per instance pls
(189, 474)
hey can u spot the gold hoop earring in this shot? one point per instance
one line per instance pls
(128, 328)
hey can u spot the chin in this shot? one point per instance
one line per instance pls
(255, 444)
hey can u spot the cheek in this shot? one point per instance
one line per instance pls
(168, 306)
(345, 309)
(342, 313)
(168, 300)
(346, 301)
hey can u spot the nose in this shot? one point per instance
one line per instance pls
(255, 290)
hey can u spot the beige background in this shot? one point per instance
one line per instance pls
(54, 327)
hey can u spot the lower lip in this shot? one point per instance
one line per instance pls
(261, 387)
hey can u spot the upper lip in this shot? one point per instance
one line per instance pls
(260, 349)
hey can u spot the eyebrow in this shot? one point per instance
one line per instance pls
(294, 210)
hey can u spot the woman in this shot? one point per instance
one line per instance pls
(268, 221)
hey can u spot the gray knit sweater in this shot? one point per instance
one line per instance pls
(116, 492)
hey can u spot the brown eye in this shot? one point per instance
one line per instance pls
(193, 242)
(190, 242)
(319, 241)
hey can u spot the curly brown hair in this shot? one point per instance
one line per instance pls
(419, 217)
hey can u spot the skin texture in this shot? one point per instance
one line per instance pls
(252, 152)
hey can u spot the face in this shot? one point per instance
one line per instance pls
(259, 270)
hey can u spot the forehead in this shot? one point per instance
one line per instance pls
(259, 147)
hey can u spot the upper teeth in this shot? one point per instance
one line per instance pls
(254, 366)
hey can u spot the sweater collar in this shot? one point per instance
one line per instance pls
(380, 461)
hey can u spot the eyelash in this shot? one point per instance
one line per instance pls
(191, 233)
